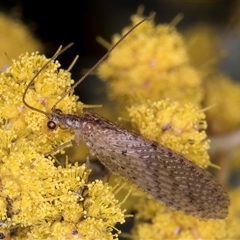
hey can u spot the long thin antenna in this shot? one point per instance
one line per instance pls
(102, 59)
(59, 52)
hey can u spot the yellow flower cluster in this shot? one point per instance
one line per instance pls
(203, 46)
(152, 63)
(17, 39)
(46, 90)
(223, 94)
(180, 127)
(38, 199)
(159, 222)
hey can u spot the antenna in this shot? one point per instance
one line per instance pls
(151, 15)
(84, 76)
(59, 52)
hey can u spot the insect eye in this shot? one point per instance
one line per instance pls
(51, 125)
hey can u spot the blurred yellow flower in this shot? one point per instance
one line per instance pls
(151, 63)
(15, 39)
(223, 94)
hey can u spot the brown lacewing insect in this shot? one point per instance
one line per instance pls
(157, 170)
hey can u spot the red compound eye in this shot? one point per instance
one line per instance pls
(51, 125)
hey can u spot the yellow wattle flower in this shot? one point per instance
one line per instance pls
(151, 63)
(223, 94)
(38, 199)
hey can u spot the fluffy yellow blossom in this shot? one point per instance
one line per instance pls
(46, 90)
(44, 201)
(38, 198)
(203, 46)
(154, 221)
(223, 94)
(15, 39)
(180, 127)
(151, 63)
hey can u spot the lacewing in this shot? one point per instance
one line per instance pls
(159, 171)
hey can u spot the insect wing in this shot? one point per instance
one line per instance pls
(159, 171)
